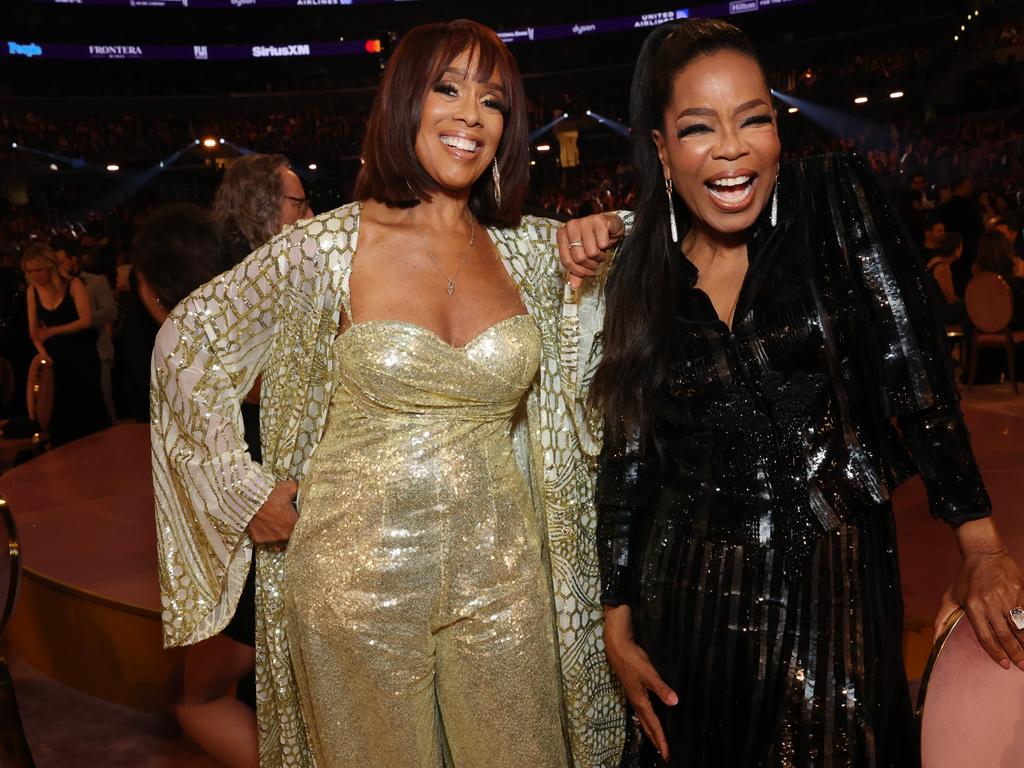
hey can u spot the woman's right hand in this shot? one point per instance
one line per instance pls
(277, 517)
(638, 676)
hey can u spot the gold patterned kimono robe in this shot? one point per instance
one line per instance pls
(278, 313)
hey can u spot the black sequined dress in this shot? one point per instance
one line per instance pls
(752, 532)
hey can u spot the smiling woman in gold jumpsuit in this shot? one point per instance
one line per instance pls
(423, 386)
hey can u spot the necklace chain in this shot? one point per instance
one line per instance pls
(451, 280)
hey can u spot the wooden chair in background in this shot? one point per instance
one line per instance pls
(989, 303)
(39, 399)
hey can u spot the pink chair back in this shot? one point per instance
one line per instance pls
(972, 710)
(989, 302)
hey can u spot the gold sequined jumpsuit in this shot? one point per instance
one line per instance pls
(418, 606)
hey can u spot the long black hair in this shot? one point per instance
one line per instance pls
(644, 284)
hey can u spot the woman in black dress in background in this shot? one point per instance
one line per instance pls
(764, 325)
(60, 325)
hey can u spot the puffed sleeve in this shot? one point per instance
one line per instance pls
(907, 342)
(206, 487)
(625, 490)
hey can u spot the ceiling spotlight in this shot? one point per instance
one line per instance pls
(209, 143)
(53, 166)
(588, 113)
(14, 145)
(221, 141)
(793, 110)
(543, 147)
(956, 38)
(312, 166)
(962, 28)
(196, 141)
(861, 100)
(976, 13)
(533, 162)
(896, 95)
(161, 163)
(113, 167)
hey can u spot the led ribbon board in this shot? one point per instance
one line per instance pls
(146, 52)
(216, 3)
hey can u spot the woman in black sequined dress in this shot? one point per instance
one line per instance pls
(754, 363)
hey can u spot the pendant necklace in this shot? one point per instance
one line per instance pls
(451, 280)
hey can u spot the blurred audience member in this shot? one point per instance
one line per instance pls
(60, 325)
(951, 308)
(960, 214)
(260, 194)
(1009, 228)
(177, 249)
(104, 313)
(934, 234)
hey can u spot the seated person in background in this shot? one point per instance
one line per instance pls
(1008, 226)
(177, 249)
(995, 254)
(951, 308)
(934, 231)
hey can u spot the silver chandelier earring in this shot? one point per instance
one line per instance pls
(775, 201)
(496, 176)
(671, 211)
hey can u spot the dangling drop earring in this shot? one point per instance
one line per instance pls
(775, 201)
(496, 177)
(671, 211)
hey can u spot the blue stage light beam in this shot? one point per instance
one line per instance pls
(534, 135)
(131, 185)
(615, 125)
(302, 171)
(73, 162)
(835, 121)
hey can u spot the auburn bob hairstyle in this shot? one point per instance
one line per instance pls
(391, 172)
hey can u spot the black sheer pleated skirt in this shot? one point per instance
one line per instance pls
(777, 666)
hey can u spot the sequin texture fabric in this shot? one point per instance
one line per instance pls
(419, 606)
(751, 530)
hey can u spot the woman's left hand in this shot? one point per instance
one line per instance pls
(41, 333)
(987, 586)
(582, 244)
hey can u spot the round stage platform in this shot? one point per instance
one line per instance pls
(88, 614)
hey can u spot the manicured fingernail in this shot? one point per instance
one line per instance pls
(673, 700)
(1005, 663)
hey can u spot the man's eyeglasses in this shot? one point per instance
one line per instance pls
(301, 202)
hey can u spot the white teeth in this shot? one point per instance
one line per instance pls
(736, 181)
(732, 196)
(457, 142)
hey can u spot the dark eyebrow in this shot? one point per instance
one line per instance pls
(463, 74)
(705, 112)
(747, 105)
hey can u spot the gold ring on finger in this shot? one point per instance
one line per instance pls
(576, 244)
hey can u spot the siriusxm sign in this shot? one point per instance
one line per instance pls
(28, 50)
